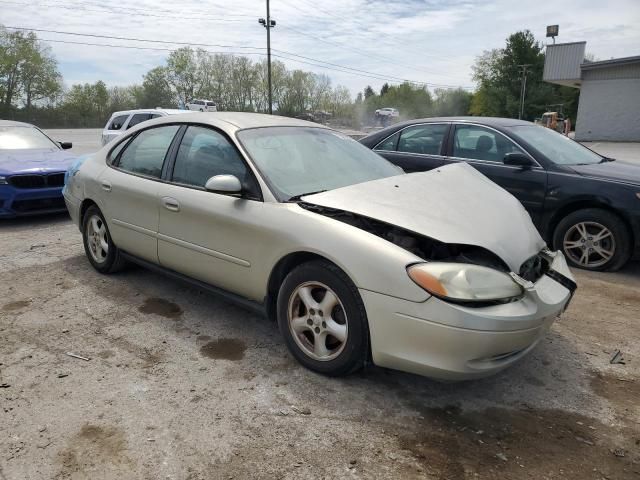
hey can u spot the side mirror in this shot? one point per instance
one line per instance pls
(65, 145)
(227, 184)
(517, 159)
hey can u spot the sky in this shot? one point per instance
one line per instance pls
(427, 41)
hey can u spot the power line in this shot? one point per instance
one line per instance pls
(359, 51)
(115, 9)
(110, 10)
(192, 44)
(133, 39)
(214, 52)
(366, 27)
(385, 77)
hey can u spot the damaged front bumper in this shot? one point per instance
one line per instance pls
(449, 341)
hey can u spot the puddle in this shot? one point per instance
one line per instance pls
(224, 348)
(13, 306)
(162, 307)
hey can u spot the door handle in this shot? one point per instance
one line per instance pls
(106, 186)
(171, 204)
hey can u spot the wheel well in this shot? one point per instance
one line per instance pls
(573, 207)
(278, 274)
(83, 209)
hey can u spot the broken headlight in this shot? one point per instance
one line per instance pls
(464, 282)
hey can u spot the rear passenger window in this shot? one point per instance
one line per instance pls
(389, 144)
(138, 118)
(426, 139)
(118, 122)
(145, 154)
(203, 154)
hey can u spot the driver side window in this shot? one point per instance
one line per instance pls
(480, 143)
(205, 153)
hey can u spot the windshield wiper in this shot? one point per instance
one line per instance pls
(296, 198)
(607, 159)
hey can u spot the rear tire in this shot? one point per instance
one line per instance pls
(322, 319)
(102, 253)
(593, 239)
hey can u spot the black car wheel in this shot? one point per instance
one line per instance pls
(322, 319)
(593, 239)
(98, 246)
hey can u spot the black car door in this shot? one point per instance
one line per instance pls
(416, 148)
(484, 148)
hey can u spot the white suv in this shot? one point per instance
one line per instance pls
(202, 106)
(387, 112)
(121, 121)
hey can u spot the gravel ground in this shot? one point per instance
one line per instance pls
(181, 385)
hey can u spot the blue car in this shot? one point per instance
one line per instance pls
(32, 170)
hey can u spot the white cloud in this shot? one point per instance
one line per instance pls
(424, 40)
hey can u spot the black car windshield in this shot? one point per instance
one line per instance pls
(555, 146)
(300, 160)
(21, 138)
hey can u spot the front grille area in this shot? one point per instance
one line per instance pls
(37, 181)
(55, 180)
(534, 268)
(38, 204)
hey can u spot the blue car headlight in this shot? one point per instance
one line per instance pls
(3, 180)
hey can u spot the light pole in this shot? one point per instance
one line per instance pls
(268, 24)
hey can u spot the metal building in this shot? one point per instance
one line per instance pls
(609, 105)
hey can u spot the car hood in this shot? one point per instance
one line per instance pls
(34, 161)
(618, 171)
(452, 204)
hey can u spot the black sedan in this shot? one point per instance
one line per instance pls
(581, 202)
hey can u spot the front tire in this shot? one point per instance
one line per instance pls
(323, 320)
(102, 253)
(593, 239)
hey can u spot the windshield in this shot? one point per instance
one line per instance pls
(20, 138)
(300, 160)
(555, 146)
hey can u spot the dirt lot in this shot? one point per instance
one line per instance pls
(181, 385)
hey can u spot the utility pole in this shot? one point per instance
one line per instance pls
(523, 87)
(268, 24)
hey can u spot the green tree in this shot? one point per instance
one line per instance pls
(384, 89)
(183, 73)
(499, 76)
(368, 92)
(28, 71)
(155, 90)
(449, 101)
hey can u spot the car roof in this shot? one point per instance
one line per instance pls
(11, 123)
(490, 121)
(231, 122)
(166, 111)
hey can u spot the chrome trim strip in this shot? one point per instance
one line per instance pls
(203, 250)
(135, 228)
(495, 164)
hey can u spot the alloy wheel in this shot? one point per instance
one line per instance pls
(589, 244)
(97, 238)
(318, 321)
